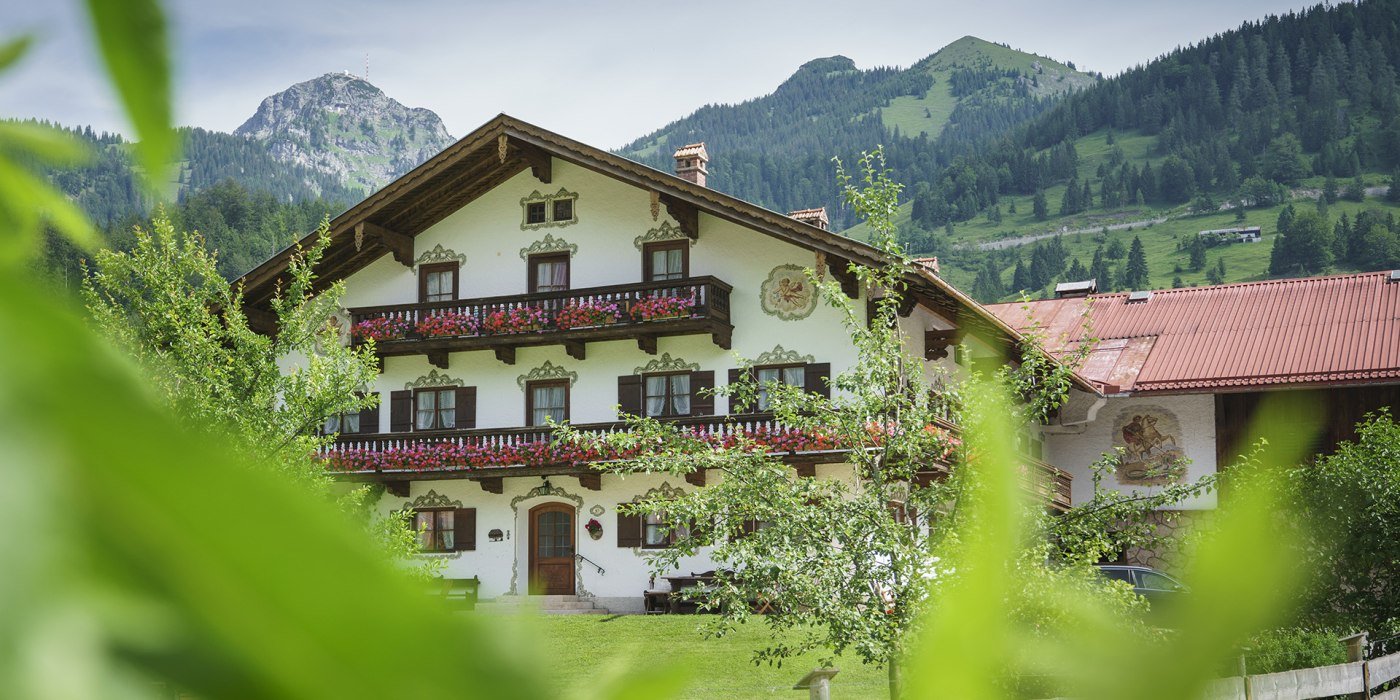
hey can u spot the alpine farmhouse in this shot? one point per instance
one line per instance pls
(520, 277)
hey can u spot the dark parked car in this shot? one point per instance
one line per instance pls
(1151, 584)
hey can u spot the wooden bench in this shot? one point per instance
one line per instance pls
(459, 593)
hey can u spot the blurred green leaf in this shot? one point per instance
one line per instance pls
(27, 202)
(132, 36)
(13, 50)
(51, 145)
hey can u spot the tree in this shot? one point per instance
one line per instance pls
(1392, 193)
(1261, 192)
(1177, 282)
(1197, 250)
(1040, 208)
(988, 287)
(1305, 245)
(1330, 191)
(1135, 275)
(1021, 278)
(1356, 189)
(1216, 275)
(1115, 249)
(849, 564)
(1099, 271)
(165, 304)
(1353, 491)
(1283, 161)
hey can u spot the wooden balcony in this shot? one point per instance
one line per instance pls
(488, 455)
(573, 318)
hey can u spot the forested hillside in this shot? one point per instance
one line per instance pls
(1303, 106)
(776, 150)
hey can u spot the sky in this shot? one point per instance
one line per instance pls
(601, 72)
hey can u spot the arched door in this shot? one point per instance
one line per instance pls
(552, 549)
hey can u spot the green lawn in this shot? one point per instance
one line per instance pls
(584, 650)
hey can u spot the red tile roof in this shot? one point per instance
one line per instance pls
(1343, 329)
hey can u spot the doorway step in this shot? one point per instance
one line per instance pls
(543, 604)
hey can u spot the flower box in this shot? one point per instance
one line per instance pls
(583, 314)
(521, 319)
(381, 328)
(661, 308)
(446, 324)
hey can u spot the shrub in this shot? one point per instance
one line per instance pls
(1294, 647)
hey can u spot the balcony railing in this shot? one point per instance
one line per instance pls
(483, 452)
(574, 317)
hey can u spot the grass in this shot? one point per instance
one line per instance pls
(582, 650)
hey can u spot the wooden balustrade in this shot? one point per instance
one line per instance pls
(644, 311)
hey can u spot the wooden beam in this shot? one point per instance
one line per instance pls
(401, 245)
(840, 269)
(396, 488)
(937, 343)
(541, 164)
(506, 355)
(261, 321)
(576, 350)
(593, 481)
(907, 304)
(696, 477)
(687, 215)
(647, 344)
(492, 484)
(438, 359)
(806, 468)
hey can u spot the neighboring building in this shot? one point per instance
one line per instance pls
(1247, 234)
(1183, 372)
(520, 276)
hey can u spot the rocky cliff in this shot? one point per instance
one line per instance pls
(342, 125)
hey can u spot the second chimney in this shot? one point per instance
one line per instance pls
(815, 217)
(691, 161)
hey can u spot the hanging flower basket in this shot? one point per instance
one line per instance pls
(594, 528)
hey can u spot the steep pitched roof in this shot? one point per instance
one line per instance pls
(1337, 330)
(505, 146)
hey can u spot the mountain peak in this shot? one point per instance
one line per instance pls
(342, 124)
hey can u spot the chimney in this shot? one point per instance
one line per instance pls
(691, 161)
(815, 217)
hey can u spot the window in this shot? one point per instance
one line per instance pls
(437, 282)
(666, 394)
(657, 533)
(549, 273)
(1152, 580)
(563, 210)
(343, 423)
(437, 529)
(534, 213)
(435, 409)
(546, 401)
(665, 261)
(791, 375)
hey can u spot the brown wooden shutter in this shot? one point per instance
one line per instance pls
(814, 381)
(736, 376)
(629, 530)
(369, 417)
(466, 407)
(629, 394)
(401, 411)
(464, 524)
(702, 402)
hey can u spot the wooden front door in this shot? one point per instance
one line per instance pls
(552, 549)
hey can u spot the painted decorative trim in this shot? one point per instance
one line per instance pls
(780, 356)
(664, 232)
(432, 378)
(433, 499)
(666, 363)
(549, 244)
(788, 293)
(597, 511)
(665, 490)
(537, 492)
(548, 370)
(439, 254)
(655, 205)
(548, 200)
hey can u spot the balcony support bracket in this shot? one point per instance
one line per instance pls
(506, 355)
(396, 488)
(576, 350)
(840, 269)
(721, 338)
(686, 215)
(647, 344)
(696, 478)
(593, 481)
(438, 359)
(807, 469)
(492, 484)
(401, 245)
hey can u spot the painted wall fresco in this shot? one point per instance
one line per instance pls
(1151, 441)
